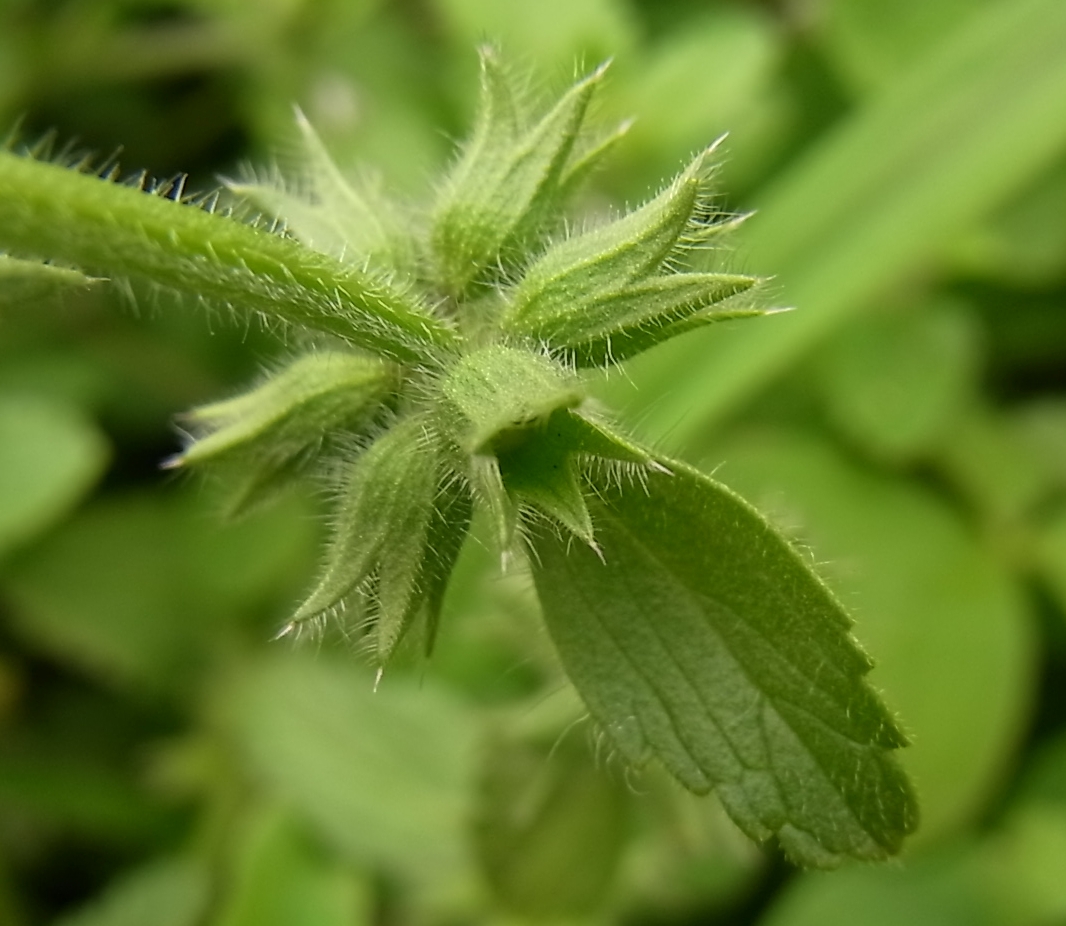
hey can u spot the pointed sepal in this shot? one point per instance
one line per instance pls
(493, 395)
(327, 210)
(383, 517)
(508, 177)
(543, 474)
(578, 271)
(267, 436)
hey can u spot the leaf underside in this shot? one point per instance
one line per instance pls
(703, 639)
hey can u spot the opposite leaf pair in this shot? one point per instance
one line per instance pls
(445, 375)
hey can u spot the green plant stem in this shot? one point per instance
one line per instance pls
(114, 230)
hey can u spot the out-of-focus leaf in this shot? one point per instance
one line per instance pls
(876, 200)
(50, 456)
(713, 69)
(279, 879)
(1044, 779)
(550, 827)
(549, 32)
(1042, 426)
(1051, 556)
(893, 382)
(1011, 877)
(1002, 474)
(167, 893)
(685, 855)
(952, 640)
(23, 282)
(72, 796)
(138, 589)
(942, 890)
(874, 43)
(1025, 865)
(1024, 243)
(385, 776)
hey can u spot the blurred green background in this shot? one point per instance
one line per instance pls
(163, 762)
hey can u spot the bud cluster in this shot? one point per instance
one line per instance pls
(497, 311)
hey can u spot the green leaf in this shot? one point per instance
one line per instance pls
(135, 590)
(164, 893)
(872, 44)
(280, 878)
(552, 32)
(543, 473)
(325, 210)
(702, 638)
(398, 533)
(876, 201)
(658, 310)
(549, 827)
(266, 436)
(586, 268)
(1051, 556)
(383, 519)
(896, 382)
(948, 622)
(452, 514)
(384, 776)
(50, 456)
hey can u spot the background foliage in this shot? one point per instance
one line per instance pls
(161, 761)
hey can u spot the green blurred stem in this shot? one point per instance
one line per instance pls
(60, 214)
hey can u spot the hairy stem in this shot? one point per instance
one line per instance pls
(53, 212)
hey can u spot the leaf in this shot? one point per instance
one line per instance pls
(383, 518)
(384, 776)
(703, 639)
(164, 893)
(50, 456)
(895, 383)
(549, 827)
(875, 201)
(267, 436)
(326, 211)
(493, 396)
(543, 473)
(1051, 556)
(280, 878)
(585, 268)
(953, 635)
(136, 590)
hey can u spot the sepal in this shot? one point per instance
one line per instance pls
(491, 397)
(268, 434)
(508, 178)
(578, 271)
(543, 474)
(327, 211)
(383, 517)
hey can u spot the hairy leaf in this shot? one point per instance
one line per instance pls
(702, 638)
